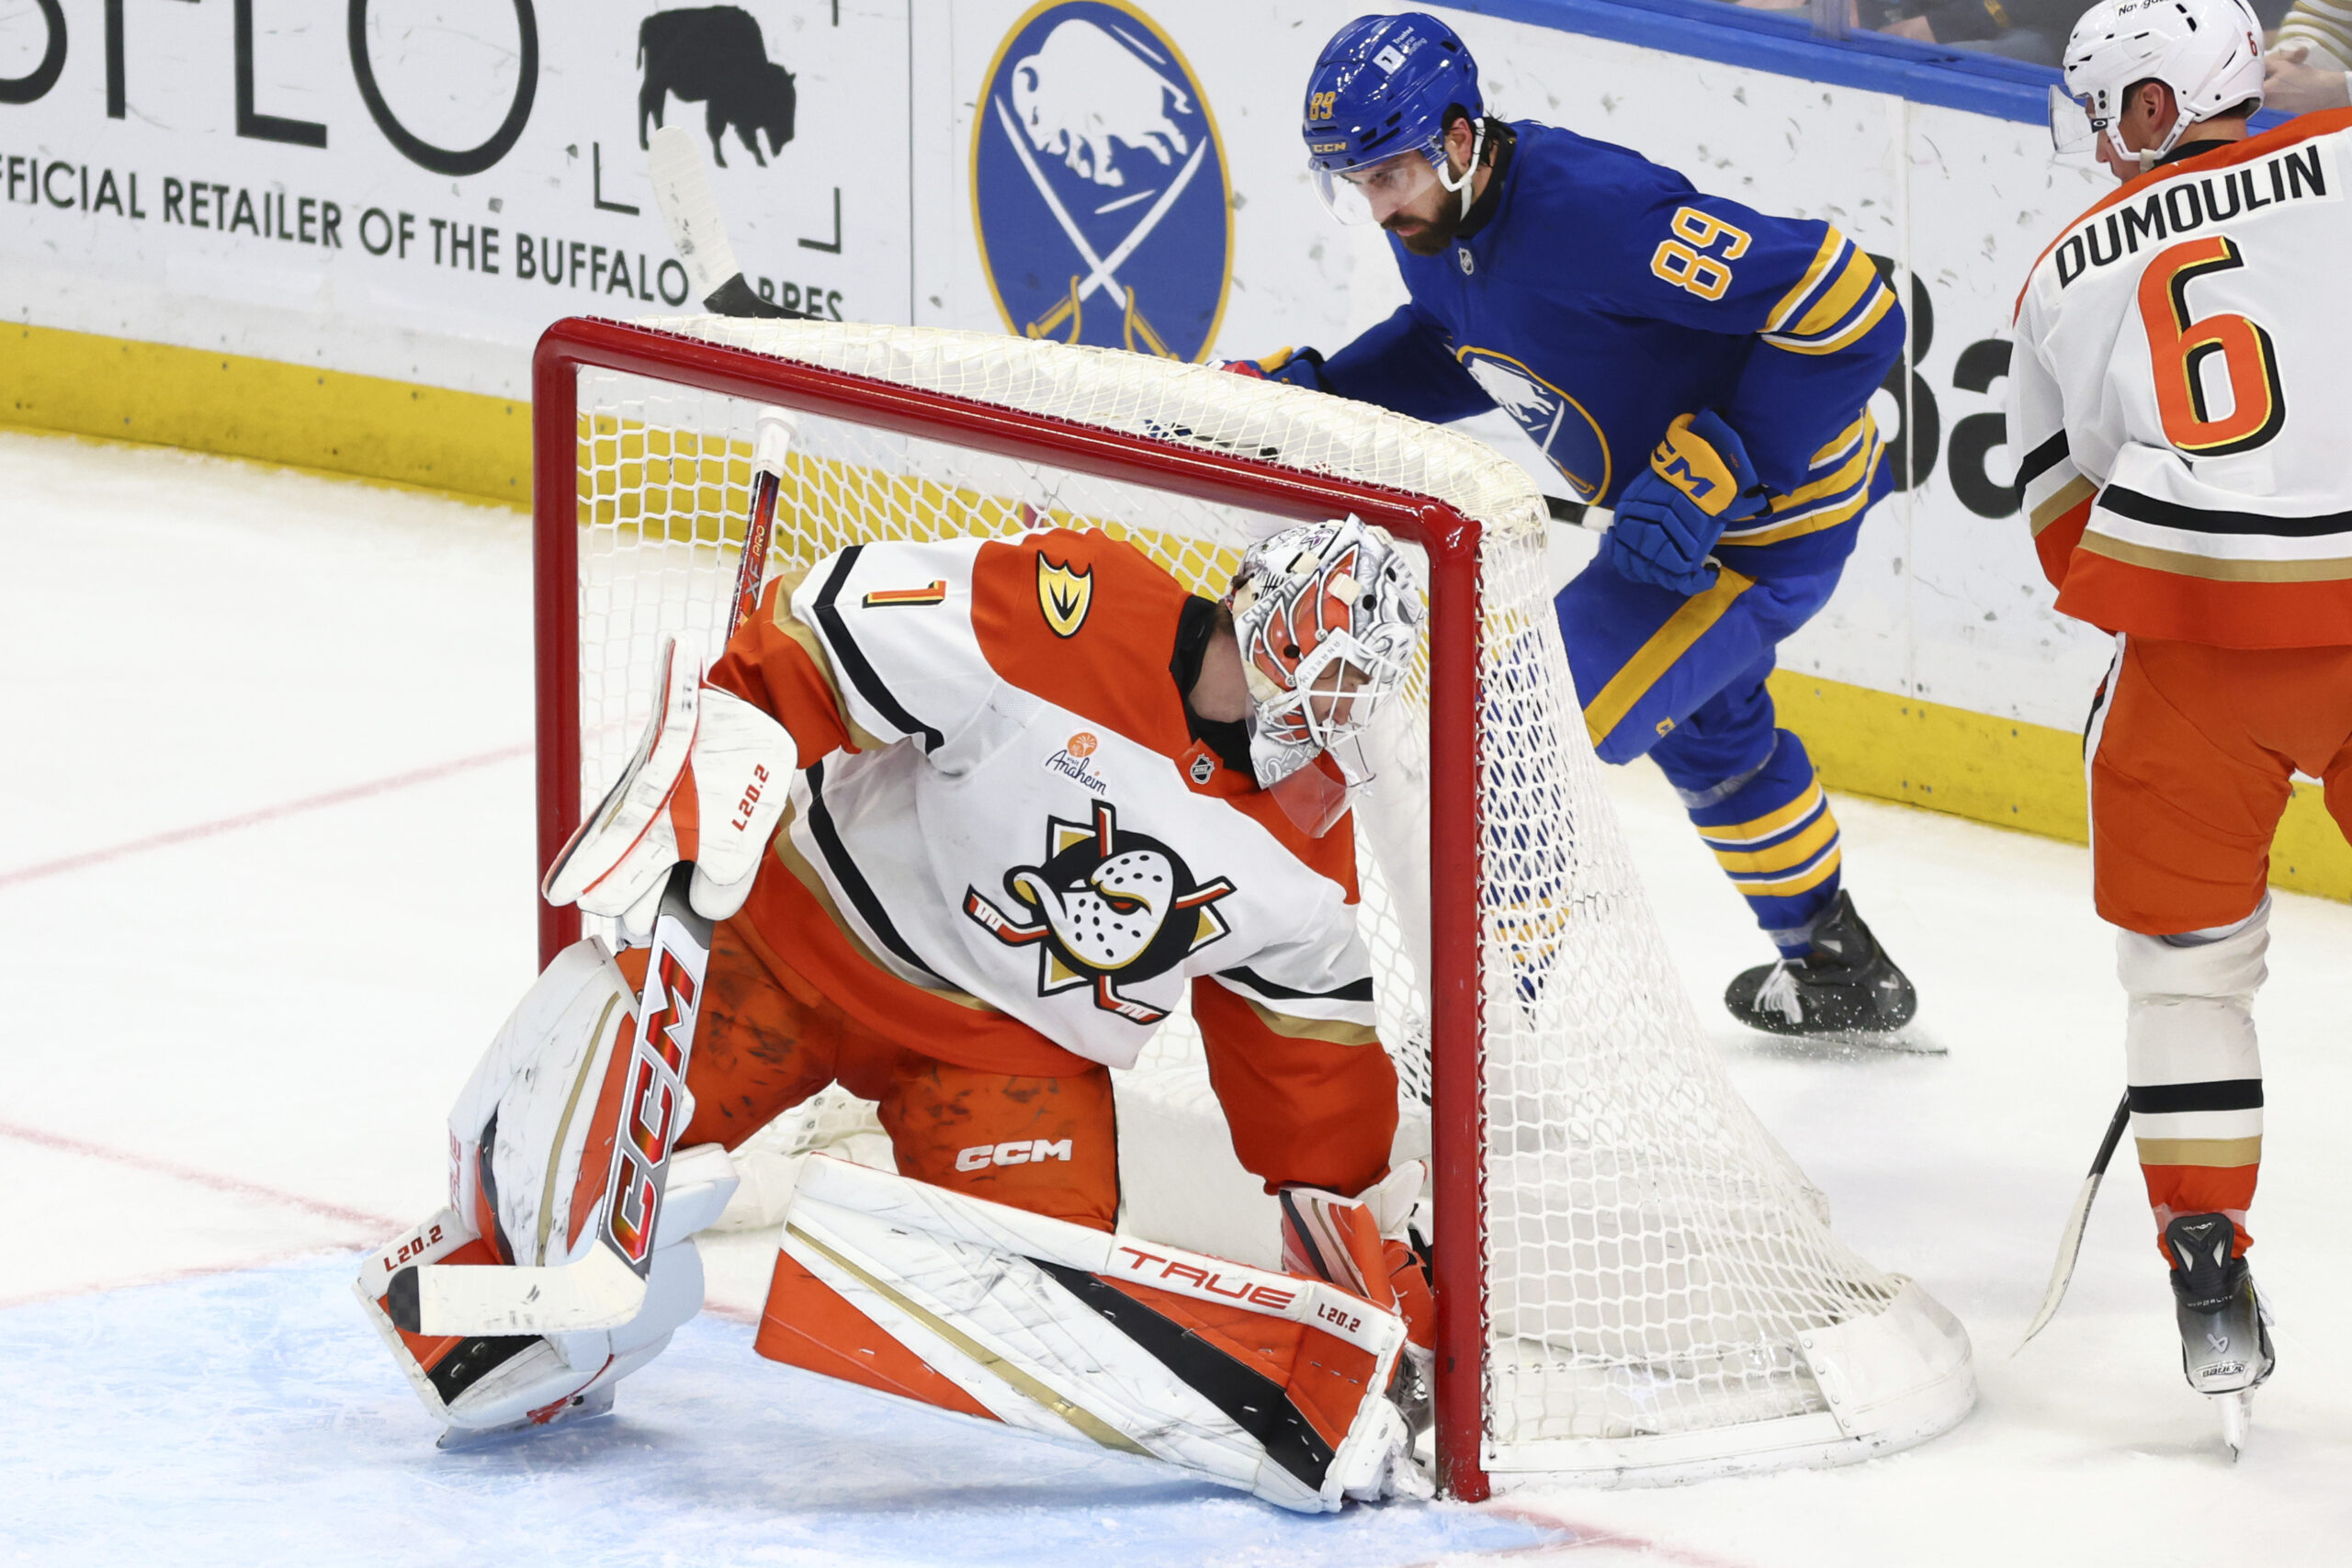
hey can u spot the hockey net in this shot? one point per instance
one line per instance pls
(1636, 1282)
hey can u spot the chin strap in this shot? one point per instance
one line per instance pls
(2147, 157)
(1469, 174)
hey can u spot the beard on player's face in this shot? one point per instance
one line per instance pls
(1426, 227)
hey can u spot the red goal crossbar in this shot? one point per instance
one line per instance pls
(1449, 538)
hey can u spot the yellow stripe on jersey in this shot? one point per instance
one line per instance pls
(1832, 243)
(1858, 276)
(1881, 303)
(1853, 471)
(1666, 644)
(1804, 880)
(1779, 821)
(1780, 858)
(1843, 442)
(1827, 516)
(931, 592)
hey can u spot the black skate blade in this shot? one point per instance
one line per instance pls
(1847, 1044)
(597, 1405)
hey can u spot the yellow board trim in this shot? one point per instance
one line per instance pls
(471, 447)
(2005, 772)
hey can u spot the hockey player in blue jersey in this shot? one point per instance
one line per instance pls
(1701, 368)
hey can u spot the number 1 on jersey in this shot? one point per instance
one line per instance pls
(2178, 347)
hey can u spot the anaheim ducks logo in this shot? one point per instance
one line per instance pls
(1065, 596)
(1106, 907)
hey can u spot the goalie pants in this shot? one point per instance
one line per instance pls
(1680, 679)
(1301, 1111)
(2191, 752)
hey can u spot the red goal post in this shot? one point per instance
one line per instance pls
(1632, 1281)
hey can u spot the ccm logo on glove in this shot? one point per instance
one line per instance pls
(1698, 482)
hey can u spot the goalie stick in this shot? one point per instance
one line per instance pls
(606, 1288)
(682, 189)
(2070, 1241)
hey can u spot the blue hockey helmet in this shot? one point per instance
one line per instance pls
(1385, 85)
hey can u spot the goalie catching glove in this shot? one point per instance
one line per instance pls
(707, 784)
(1698, 482)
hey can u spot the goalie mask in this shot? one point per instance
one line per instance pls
(1327, 616)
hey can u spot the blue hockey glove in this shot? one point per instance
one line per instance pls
(1671, 514)
(1300, 367)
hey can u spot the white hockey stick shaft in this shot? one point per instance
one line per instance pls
(606, 1288)
(690, 209)
(2070, 1243)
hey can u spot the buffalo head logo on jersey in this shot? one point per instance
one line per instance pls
(1099, 188)
(1555, 422)
(1106, 907)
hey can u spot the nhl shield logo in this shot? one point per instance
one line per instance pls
(1555, 422)
(1105, 907)
(1098, 186)
(1065, 596)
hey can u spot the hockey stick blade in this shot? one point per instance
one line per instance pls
(600, 1291)
(690, 209)
(2070, 1241)
(606, 1288)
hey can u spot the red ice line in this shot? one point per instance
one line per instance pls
(375, 1224)
(266, 814)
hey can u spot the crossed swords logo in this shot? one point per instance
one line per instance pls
(1101, 271)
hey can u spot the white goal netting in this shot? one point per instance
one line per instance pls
(1663, 1294)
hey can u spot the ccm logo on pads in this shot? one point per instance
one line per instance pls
(1020, 1151)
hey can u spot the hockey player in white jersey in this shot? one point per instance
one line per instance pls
(973, 818)
(2180, 403)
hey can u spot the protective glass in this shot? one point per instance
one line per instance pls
(1374, 194)
(2073, 132)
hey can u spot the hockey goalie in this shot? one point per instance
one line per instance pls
(967, 821)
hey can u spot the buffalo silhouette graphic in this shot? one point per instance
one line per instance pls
(715, 53)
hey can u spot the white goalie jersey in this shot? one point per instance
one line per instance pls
(2179, 400)
(1004, 828)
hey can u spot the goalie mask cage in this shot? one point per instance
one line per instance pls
(1632, 1281)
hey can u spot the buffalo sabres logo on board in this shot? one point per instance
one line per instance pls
(1106, 907)
(1555, 422)
(1098, 186)
(1065, 596)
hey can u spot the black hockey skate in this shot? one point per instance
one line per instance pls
(1845, 986)
(2224, 1333)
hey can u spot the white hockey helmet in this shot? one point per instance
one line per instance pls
(1328, 615)
(2207, 51)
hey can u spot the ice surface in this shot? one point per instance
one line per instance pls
(230, 1059)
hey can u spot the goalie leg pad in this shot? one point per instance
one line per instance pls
(1257, 1379)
